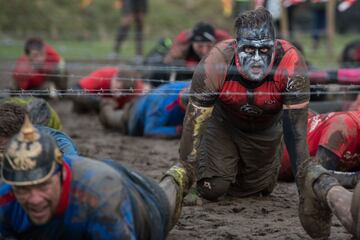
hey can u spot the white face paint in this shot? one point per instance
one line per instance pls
(255, 48)
(255, 57)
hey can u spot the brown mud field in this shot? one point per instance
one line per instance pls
(271, 217)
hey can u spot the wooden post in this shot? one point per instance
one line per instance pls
(284, 23)
(330, 26)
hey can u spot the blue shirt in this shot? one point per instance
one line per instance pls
(158, 113)
(63, 141)
(104, 200)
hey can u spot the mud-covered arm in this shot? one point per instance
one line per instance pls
(206, 83)
(109, 116)
(296, 100)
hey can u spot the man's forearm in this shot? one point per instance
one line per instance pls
(194, 123)
(295, 129)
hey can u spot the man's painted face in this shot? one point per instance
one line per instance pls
(41, 200)
(255, 51)
(255, 57)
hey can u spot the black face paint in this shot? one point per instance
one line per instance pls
(255, 50)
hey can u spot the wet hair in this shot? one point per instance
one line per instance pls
(128, 76)
(203, 32)
(33, 43)
(11, 119)
(257, 18)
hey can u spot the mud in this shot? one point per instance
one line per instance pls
(271, 217)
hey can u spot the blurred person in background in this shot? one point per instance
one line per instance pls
(318, 22)
(190, 46)
(40, 68)
(119, 84)
(133, 12)
(159, 113)
(186, 51)
(176, 59)
(350, 57)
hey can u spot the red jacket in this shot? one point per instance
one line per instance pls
(324, 130)
(27, 77)
(101, 80)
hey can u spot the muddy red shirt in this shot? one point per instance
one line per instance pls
(101, 80)
(248, 105)
(27, 77)
(337, 132)
(183, 39)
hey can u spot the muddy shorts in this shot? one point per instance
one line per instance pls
(134, 6)
(250, 161)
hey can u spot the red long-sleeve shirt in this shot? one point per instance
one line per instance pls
(101, 80)
(26, 77)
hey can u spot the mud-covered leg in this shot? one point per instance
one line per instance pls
(173, 184)
(339, 200)
(314, 212)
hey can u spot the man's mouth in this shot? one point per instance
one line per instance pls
(256, 69)
(38, 212)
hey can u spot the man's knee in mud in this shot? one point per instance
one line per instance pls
(212, 188)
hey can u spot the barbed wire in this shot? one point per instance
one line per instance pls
(149, 69)
(164, 92)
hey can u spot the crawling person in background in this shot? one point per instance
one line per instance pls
(160, 113)
(40, 68)
(12, 117)
(321, 196)
(39, 110)
(120, 84)
(47, 195)
(334, 139)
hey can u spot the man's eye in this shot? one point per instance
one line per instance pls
(21, 191)
(249, 49)
(264, 50)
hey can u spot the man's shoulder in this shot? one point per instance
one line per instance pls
(222, 50)
(285, 46)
